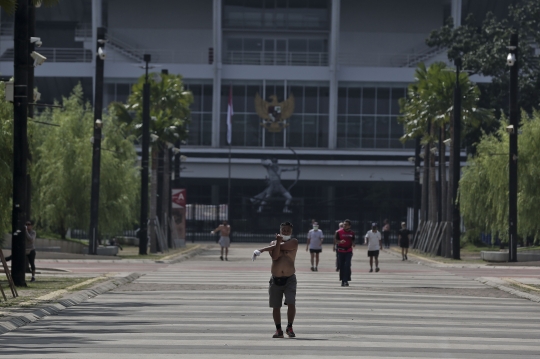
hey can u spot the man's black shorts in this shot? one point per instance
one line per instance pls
(315, 250)
(404, 244)
(373, 253)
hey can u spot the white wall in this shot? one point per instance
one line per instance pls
(388, 26)
(177, 25)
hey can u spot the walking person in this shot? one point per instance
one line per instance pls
(283, 280)
(314, 244)
(335, 246)
(373, 240)
(386, 233)
(30, 238)
(345, 242)
(404, 237)
(224, 230)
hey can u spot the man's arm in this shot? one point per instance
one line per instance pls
(308, 241)
(380, 241)
(215, 230)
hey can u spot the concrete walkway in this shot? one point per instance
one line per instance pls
(207, 308)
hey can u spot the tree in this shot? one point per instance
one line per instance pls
(9, 6)
(6, 162)
(426, 113)
(483, 190)
(62, 170)
(484, 50)
(170, 113)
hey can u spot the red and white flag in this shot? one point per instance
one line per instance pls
(230, 114)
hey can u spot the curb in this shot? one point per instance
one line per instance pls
(185, 256)
(20, 320)
(517, 293)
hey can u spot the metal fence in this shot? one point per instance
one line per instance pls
(274, 58)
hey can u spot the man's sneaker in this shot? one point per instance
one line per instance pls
(313, 269)
(316, 270)
(371, 270)
(33, 279)
(377, 269)
(343, 283)
(406, 258)
(278, 334)
(346, 284)
(289, 332)
(221, 257)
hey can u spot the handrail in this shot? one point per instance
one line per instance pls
(57, 54)
(276, 58)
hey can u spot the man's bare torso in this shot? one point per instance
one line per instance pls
(284, 265)
(224, 231)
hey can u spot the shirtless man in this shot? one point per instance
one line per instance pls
(224, 240)
(283, 281)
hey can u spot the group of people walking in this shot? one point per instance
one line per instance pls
(283, 252)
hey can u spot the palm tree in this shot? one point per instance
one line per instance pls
(9, 6)
(170, 115)
(426, 113)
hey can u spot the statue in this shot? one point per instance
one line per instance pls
(274, 185)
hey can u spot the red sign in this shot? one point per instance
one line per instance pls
(179, 198)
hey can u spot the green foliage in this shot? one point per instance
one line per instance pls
(169, 107)
(431, 100)
(6, 162)
(483, 50)
(63, 166)
(9, 6)
(484, 185)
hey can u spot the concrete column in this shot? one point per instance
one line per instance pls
(331, 204)
(216, 104)
(334, 67)
(456, 12)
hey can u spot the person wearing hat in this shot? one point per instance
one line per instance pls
(403, 240)
(373, 240)
(314, 244)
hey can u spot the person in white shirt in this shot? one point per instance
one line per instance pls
(314, 244)
(373, 240)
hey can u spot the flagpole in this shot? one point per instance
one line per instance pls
(229, 184)
(230, 113)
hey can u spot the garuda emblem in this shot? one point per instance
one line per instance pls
(274, 114)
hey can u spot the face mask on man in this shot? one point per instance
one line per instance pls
(315, 228)
(286, 238)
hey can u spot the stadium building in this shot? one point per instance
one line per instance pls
(315, 87)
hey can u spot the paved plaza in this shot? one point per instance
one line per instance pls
(207, 308)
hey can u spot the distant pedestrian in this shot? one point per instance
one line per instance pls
(314, 243)
(345, 242)
(386, 233)
(373, 240)
(224, 230)
(404, 237)
(335, 246)
(30, 238)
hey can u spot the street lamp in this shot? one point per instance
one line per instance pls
(143, 232)
(96, 147)
(512, 62)
(456, 166)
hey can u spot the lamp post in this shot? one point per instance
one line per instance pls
(96, 147)
(143, 231)
(512, 61)
(20, 116)
(416, 189)
(456, 166)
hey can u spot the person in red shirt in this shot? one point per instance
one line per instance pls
(345, 242)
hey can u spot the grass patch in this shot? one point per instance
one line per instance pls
(42, 286)
(132, 252)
